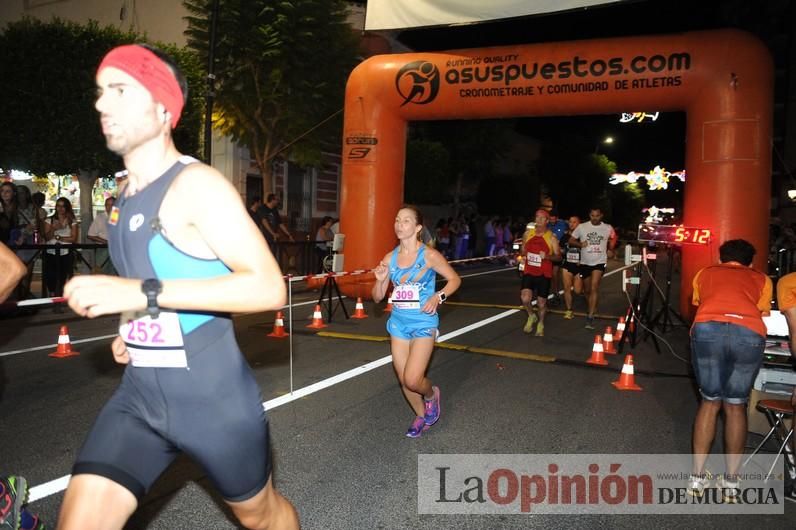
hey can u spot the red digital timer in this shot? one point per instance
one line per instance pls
(673, 234)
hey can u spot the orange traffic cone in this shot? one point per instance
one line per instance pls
(64, 348)
(279, 327)
(627, 379)
(359, 311)
(388, 309)
(608, 341)
(597, 352)
(620, 330)
(317, 318)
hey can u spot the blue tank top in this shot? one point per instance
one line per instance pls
(139, 249)
(418, 273)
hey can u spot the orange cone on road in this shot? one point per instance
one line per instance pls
(597, 356)
(64, 348)
(317, 318)
(359, 311)
(627, 379)
(620, 330)
(279, 327)
(608, 341)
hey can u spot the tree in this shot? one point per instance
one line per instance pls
(625, 203)
(472, 147)
(48, 90)
(573, 179)
(280, 70)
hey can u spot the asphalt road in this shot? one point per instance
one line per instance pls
(340, 453)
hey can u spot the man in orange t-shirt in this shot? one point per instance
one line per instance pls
(727, 342)
(786, 303)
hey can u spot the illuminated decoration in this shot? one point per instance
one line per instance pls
(655, 214)
(638, 117)
(20, 175)
(15, 174)
(657, 179)
(678, 234)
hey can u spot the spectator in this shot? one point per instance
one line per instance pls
(272, 222)
(41, 214)
(472, 228)
(323, 240)
(8, 212)
(501, 226)
(28, 222)
(727, 342)
(26, 216)
(508, 235)
(98, 233)
(61, 228)
(443, 238)
(255, 203)
(489, 235)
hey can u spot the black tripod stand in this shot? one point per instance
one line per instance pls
(662, 319)
(326, 291)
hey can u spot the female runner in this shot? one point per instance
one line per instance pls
(413, 326)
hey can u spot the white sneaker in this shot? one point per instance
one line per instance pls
(730, 490)
(697, 484)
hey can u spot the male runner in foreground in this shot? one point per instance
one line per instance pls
(187, 387)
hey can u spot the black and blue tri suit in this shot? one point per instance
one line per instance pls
(211, 409)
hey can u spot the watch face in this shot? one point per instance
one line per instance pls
(151, 286)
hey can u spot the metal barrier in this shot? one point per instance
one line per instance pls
(75, 249)
(297, 257)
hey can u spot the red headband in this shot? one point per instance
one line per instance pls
(149, 70)
(542, 212)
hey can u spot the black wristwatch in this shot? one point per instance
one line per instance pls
(442, 297)
(152, 288)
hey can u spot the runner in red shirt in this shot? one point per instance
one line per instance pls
(540, 251)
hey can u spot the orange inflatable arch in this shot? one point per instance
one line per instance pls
(722, 79)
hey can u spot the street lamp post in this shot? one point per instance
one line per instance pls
(608, 140)
(211, 86)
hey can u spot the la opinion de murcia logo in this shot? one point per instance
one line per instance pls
(417, 82)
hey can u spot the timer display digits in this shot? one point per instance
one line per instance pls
(683, 235)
